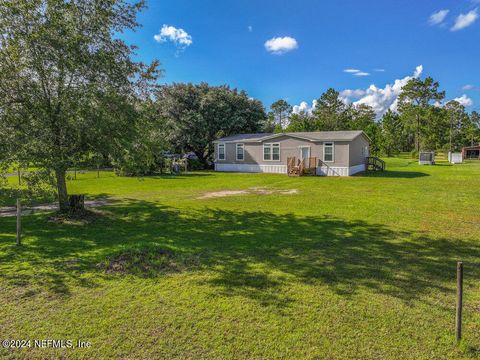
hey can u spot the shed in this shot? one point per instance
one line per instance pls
(426, 158)
(471, 152)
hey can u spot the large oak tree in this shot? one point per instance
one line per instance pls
(196, 115)
(68, 84)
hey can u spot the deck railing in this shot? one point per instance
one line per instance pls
(297, 167)
(374, 163)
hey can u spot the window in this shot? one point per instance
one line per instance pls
(221, 151)
(328, 153)
(271, 152)
(240, 152)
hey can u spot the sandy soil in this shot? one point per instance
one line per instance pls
(12, 211)
(253, 190)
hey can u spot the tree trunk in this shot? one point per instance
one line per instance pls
(451, 132)
(62, 190)
(417, 145)
(202, 158)
(76, 204)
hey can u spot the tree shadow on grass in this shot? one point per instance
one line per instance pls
(395, 174)
(252, 254)
(179, 176)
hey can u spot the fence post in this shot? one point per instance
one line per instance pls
(458, 319)
(19, 222)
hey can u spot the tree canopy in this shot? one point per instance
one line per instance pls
(196, 115)
(68, 85)
(421, 120)
(414, 103)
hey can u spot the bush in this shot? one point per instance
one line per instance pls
(138, 164)
(195, 164)
(414, 154)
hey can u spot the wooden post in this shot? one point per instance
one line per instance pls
(458, 320)
(19, 222)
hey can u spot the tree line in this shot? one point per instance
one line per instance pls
(420, 121)
(72, 92)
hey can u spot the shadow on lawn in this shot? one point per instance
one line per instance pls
(179, 176)
(395, 174)
(253, 254)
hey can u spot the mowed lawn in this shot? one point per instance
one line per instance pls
(310, 267)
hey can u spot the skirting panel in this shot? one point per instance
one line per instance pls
(332, 171)
(282, 169)
(252, 168)
(356, 169)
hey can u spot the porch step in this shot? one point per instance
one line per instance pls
(301, 168)
(374, 163)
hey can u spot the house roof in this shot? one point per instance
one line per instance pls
(309, 136)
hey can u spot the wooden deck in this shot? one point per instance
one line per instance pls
(304, 167)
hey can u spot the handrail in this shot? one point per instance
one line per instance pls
(375, 162)
(301, 166)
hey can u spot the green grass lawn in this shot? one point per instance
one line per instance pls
(359, 267)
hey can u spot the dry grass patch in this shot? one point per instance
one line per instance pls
(253, 190)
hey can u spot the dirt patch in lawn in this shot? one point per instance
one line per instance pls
(27, 210)
(253, 190)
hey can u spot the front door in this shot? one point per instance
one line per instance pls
(305, 153)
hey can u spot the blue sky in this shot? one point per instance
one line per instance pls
(313, 43)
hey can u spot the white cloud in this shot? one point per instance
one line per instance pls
(281, 45)
(178, 36)
(380, 99)
(250, 28)
(379, 70)
(464, 20)
(356, 72)
(304, 107)
(418, 71)
(469, 87)
(357, 93)
(438, 17)
(464, 100)
(361, 73)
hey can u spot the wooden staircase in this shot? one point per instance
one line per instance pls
(373, 163)
(297, 167)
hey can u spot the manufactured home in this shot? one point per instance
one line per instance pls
(328, 153)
